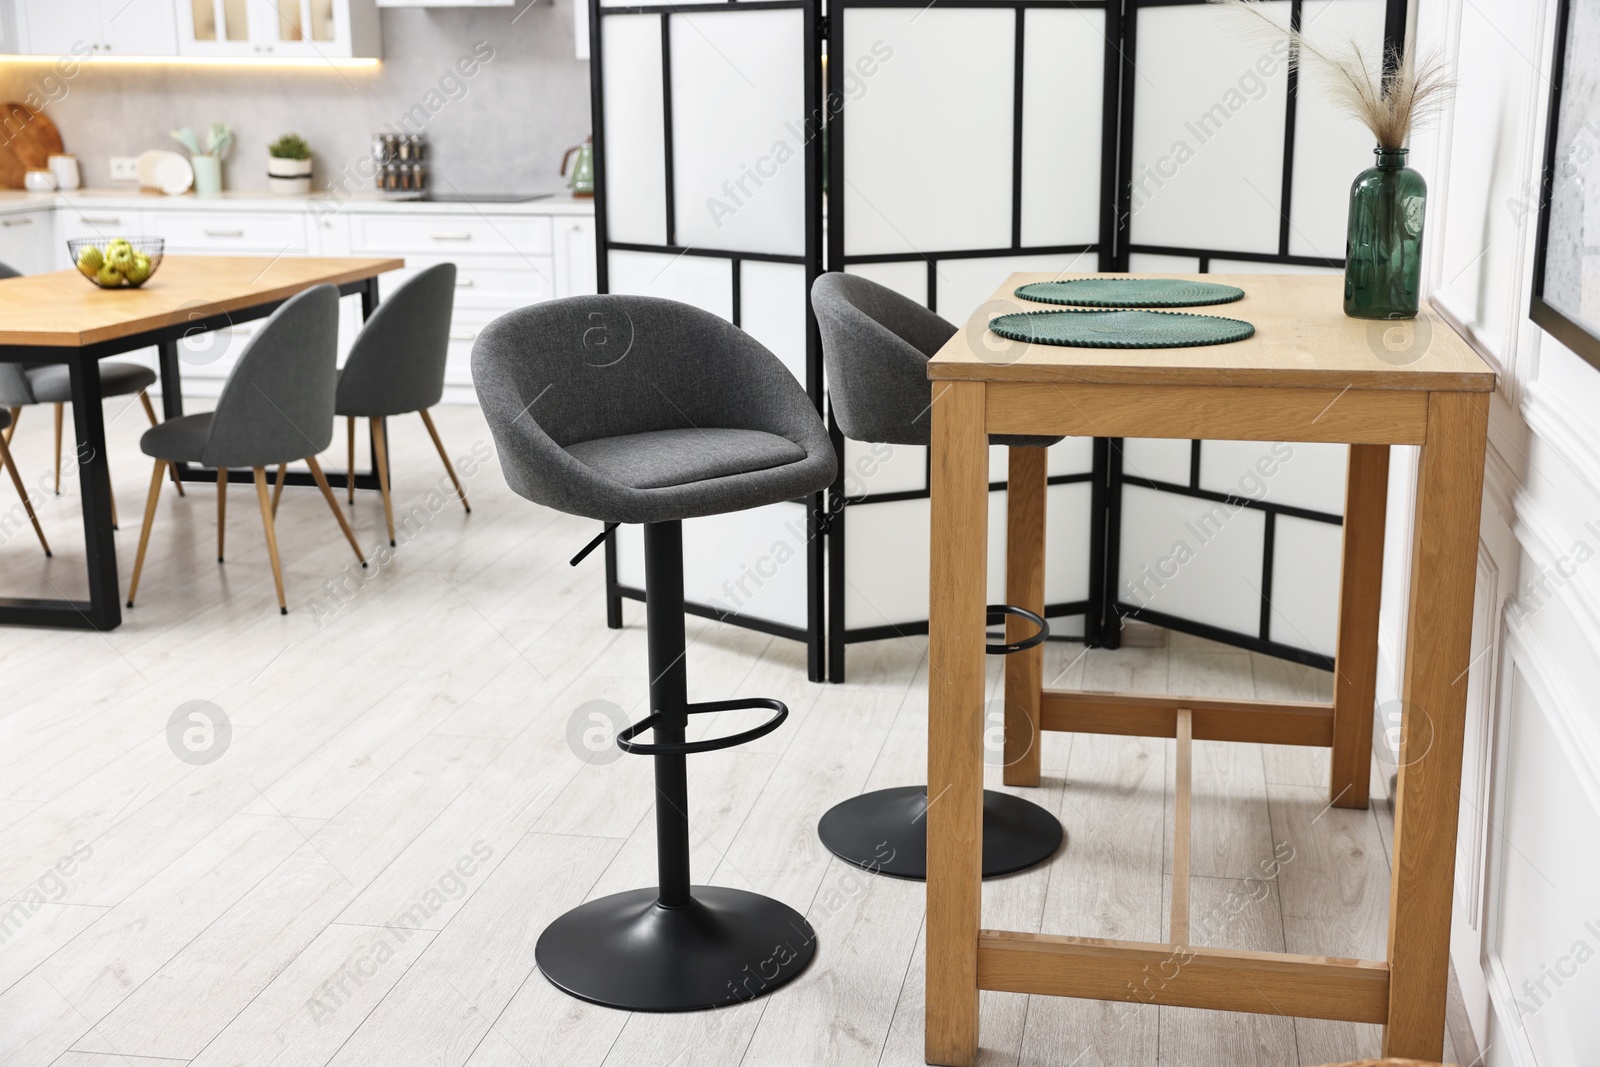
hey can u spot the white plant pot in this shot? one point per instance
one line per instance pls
(289, 177)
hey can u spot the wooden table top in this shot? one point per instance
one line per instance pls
(65, 309)
(1303, 339)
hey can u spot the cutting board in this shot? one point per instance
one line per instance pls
(29, 142)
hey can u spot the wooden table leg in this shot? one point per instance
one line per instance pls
(1360, 587)
(1444, 558)
(1026, 486)
(960, 505)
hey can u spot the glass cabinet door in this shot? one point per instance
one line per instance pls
(214, 28)
(303, 28)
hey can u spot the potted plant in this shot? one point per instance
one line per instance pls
(289, 165)
(207, 164)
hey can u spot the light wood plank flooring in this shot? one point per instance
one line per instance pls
(361, 877)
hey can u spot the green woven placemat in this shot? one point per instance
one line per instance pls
(1120, 329)
(1131, 293)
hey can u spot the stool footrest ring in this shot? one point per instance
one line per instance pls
(626, 742)
(996, 613)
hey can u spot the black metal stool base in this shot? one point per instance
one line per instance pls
(626, 951)
(885, 832)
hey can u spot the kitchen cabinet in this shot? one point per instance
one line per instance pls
(96, 27)
(575, 262)
(25, 241)
(278, 29)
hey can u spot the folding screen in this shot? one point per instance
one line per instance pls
(708, 191)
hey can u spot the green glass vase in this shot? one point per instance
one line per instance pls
(1383, 249)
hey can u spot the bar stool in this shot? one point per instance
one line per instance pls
(876, 345)
(636, 409)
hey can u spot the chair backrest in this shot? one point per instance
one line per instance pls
(8, 271)
(586, 367)
(277, 404)
(14, 388)
(876, 345)
(397, 362)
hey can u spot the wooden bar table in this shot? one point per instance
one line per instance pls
(62, 318)
(1309, 374)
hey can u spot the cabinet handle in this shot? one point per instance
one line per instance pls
(463, 335)
(87, 221)
(27, 222)
(461, 283)
(451, 236)
(224, 233)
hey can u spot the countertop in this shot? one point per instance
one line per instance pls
(18, 200)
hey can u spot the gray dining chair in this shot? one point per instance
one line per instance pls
(275, 407)
(395, 367)
(50, 383)
(6, 521)
(641, 410)
(876, 345)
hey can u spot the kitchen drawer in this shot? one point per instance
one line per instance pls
(101, 224)
(27, 241)
(510, 281)
(451, 235)
(216, 233)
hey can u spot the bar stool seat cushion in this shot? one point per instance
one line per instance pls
(180, 440)
(52, 383)
(637, 409)
(660, 459)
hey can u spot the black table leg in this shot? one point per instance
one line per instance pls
(171, 381)
(94, 476)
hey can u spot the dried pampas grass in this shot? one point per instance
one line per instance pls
(1391, 105)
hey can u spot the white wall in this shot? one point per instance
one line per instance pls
(1526, 943)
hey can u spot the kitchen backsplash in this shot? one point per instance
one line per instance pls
(498, 93)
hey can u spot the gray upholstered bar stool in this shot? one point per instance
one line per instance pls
(876, 345)
(395, 367)
(635, 409)
(276, 407)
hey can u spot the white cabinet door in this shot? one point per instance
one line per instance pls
(26, 240)
(216, 28)
(138, 28)
(575, 256)
(54, 27)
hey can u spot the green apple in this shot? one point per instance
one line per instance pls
(90, 260)
(108, 276)
(120, 256)
(139, 271)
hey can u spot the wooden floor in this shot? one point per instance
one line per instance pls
(362, 875)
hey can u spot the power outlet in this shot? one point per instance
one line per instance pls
(124, 168)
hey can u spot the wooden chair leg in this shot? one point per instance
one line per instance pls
(222, 508)
(144, 534)
(350, 465)
(11, 431)
(60, 412)
(382, 449)
(27, 505)
(427, 420)
(277, 488)
(333, 502)
(112, 493)
(272, 535)
(150, 413)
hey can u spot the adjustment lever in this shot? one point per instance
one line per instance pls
(592, 545)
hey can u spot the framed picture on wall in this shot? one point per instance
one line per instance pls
(1566, 280)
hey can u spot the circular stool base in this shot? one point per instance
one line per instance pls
(885, 832)
(626, 951)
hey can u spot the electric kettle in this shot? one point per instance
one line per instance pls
(582, 180)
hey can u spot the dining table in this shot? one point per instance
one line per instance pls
(1307, 372)
(63, 317)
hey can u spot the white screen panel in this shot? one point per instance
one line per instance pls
(1242, 266)
(1068, 522)
(772, 309)
(964, 284)
(750, 563)
(1208, 117)
(1296, 475)
(1073, 455)
(635, 139)
(703, 281)
(1156, 459)
(738, 109)
(909, 279)
(1063, 65)
(928, 130)
(1305, 584)
(1546, 903)
(1192, 558)
(1330, 146)
(1150, 263)
(870, 470)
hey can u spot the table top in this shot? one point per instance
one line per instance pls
(1303, 339)
(65, 309)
